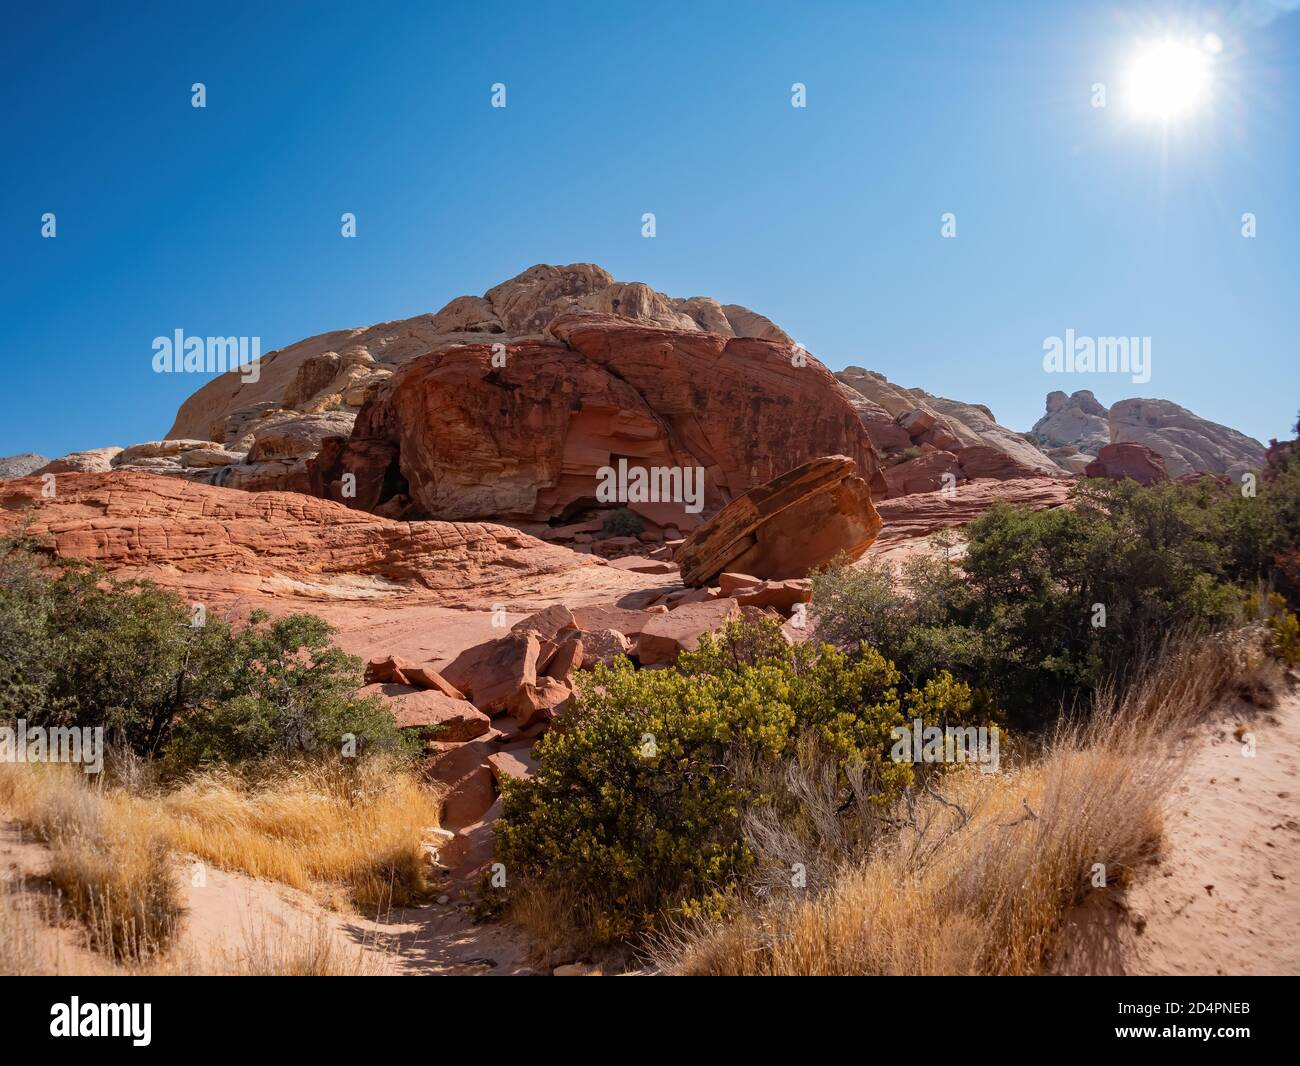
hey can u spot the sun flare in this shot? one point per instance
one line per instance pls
(1169, 79)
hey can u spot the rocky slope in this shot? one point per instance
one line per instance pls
(282, 545)
(12, 466)
(928, 441)
(1075, 428)
(503, 406)
(519, 396)
(335, 368)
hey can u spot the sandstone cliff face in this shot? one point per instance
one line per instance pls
(260, 435)
(1187, 443)
(199, 537)
(12, 466)
(520, 432)
(337, 368)
(922, 437)
(1077, 421)
(505, 405)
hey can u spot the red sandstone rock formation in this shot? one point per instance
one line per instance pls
(899, 419)
(520, 432)
(193, 535)
(787, 527)
(1118, 461)
(909, 520)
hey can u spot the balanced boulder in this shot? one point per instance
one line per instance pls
(787, 527)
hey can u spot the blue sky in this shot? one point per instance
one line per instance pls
(225, 220)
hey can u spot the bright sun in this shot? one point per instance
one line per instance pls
(1168, 79)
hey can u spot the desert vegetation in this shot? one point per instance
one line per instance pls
(741, 812)
(165, 683)
(745, 810)
(243, 748)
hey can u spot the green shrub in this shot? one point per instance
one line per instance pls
(1017, 616)
(289, 692)
(85, 650)
(623, 523)
(1282, 625)
(641, 788)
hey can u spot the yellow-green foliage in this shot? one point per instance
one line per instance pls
(1283, 626)
(640, 791)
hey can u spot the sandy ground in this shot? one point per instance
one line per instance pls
(230, 916)
(1224, 897)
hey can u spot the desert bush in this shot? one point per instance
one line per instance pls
(286, 690)
(623, 522)
(978, 875)
(1018, 616)
(641, 787)
(1281, 625)
(91, 651)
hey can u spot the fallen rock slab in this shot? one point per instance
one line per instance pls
(787, 527)
(517, 764)
(638, 564)
(666, 636)
(782, 595)
(538, 702)
(466, 778)
(603, 646)
(491, 673)
(392, 668)
(546, 624)
(628, 622)
(435, 715)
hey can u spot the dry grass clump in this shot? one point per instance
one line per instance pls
(976, 874)
(21, 930)
(113, 876)
(356, 827)
(353, 834)
(303, 950)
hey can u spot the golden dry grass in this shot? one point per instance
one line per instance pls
(317, 949)
(21, 933)
(350, 835)
(321, 828)
(115, 877)
(979, 876)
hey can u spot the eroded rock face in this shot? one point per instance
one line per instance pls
(1187, 443)
(12, 466)
(910, 520)
(1136, 461)
(190, 535)
(521, 432)
(298, 438)
(90, 461)
(787, 527)
(1077, 421)
(343, 365)
(901, 421)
